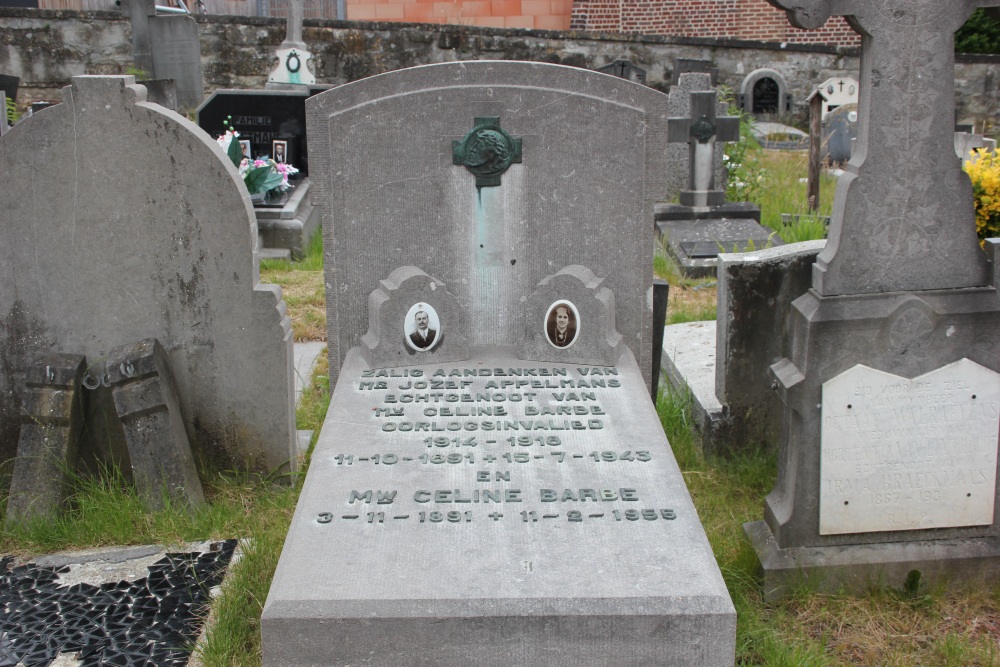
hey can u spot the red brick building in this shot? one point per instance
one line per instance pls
(733, 19)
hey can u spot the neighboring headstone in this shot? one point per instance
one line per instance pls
(262, 117)
(159, 244)
(167, 46)
(965, 143)
(49, 437)
(764, 91)
(269, 119)
(678, 155)
(703, 224)
(837, 92)
(293, 58)
(840, 130)
(694, 66)
(755, 295)
(890, 377)
(148, 405)
(477, 478)
(162, 92)
(624, 69)
(9, 84)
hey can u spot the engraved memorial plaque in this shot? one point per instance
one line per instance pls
(507, 491)
(899, 454)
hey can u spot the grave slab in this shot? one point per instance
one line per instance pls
(476, 542)
(291, 224)
(696, 244)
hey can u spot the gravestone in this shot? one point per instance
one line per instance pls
(840, 130)
(764, 91)
(678, 155)
(494, 543)
(9, 84)
(157, 244)
(887, 462)
(703, 224)
(837, 92)
(3, 113)
(263, 117)
(167, 46)
(267, 118)
(624, 69)
(694, 66)
(292, 70)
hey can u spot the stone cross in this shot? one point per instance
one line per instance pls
(293, 36)
(292, 70)
(903, 215)
(701, 131)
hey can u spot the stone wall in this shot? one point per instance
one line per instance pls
(46, 48)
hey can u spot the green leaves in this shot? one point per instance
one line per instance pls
(235, 153)
(261, 179)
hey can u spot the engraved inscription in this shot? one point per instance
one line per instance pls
(901, 454)
(495, 434)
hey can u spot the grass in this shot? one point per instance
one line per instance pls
(302, 288)
(883, 627)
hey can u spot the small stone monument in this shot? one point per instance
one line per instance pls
(292, 71)
(495, 483)
(703, 224)
(167, 47)
(891, 380)
(157, 244)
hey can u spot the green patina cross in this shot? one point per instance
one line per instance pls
(487, 151)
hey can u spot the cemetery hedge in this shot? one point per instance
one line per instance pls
(980, 34)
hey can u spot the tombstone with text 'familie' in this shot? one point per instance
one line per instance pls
(144, 272)
(492, 485)
(890, 384)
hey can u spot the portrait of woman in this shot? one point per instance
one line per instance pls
(422, 327)
(562, 324)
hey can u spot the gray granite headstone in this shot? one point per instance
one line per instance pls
(382, 163)
(892, 361)
(158, 243)
(498, 510)
(167, 47)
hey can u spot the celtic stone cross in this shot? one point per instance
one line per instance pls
(903, 215)
(701, 130)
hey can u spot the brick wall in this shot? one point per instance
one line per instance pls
(536, 14)
(734, 19)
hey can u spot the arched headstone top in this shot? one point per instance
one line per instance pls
(764, 91)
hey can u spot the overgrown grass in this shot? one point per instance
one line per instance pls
(883, 627)
(303, 290)
(784, 191)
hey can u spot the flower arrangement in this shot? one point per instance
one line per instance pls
(261, 175)
(984, 170)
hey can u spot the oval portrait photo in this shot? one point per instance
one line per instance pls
(562, 324)
(422, 327)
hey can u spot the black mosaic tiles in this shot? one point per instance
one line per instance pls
(149, 622)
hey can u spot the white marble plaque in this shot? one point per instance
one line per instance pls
(900, 454)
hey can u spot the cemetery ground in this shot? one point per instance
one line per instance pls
(884, 627)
